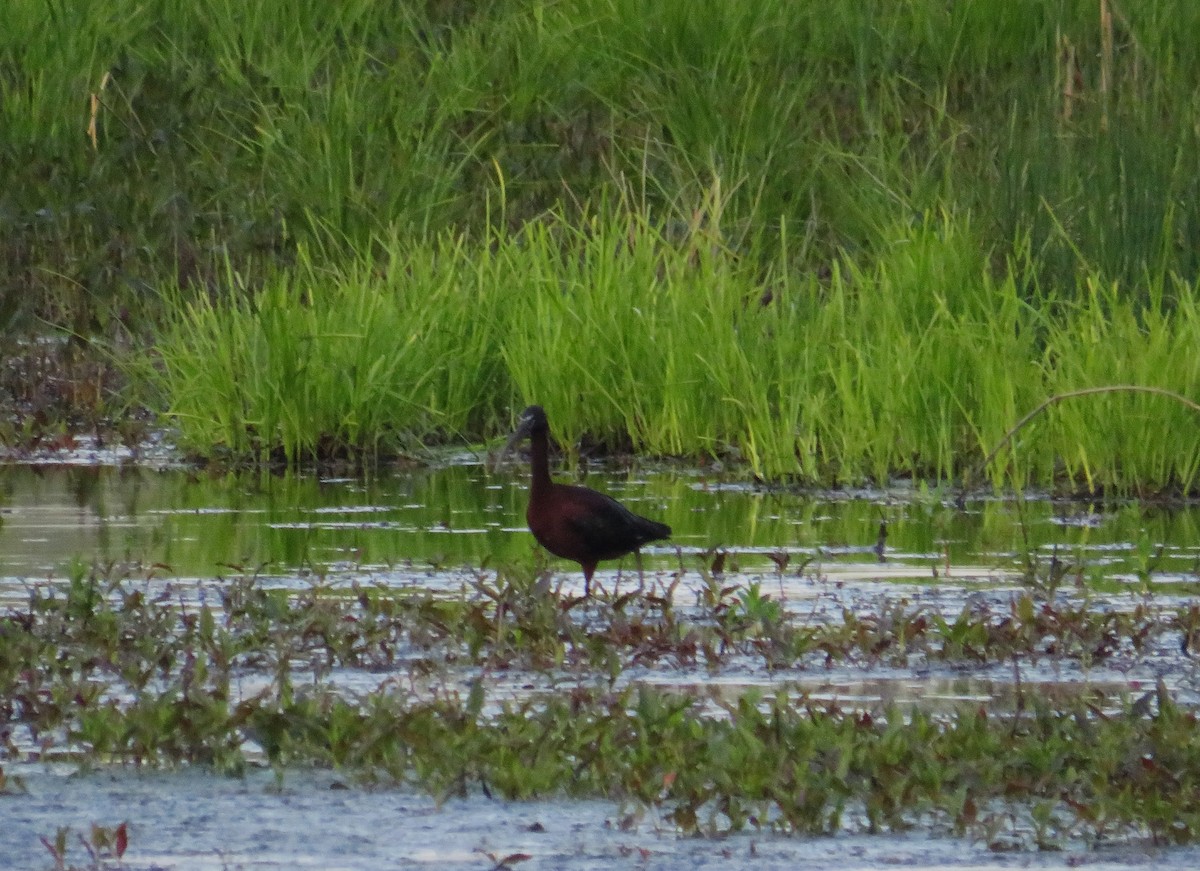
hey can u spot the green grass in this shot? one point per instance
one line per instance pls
(929, 192)
(663, 341)
(226, 132)
(316, 365)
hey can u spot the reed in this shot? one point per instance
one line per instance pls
(383, 355)
(639, 337)
(1114, 440)
(141, 147)
(592, 194)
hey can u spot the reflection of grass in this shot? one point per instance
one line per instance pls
(109, 671)
(458, 516)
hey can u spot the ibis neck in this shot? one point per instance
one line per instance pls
(539, 450)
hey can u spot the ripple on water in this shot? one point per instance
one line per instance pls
(428, 530)
(191, 820)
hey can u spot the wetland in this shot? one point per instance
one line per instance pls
(378, 658)
(814, 266)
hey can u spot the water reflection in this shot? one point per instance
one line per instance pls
(462, 515)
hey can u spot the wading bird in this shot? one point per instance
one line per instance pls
(572, 522)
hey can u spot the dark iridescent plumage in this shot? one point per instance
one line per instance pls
(572, 522)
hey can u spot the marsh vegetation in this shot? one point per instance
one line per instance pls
(1011, 674)
(830, 244)
(800, 245)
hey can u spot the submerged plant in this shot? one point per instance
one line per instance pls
(104, 846)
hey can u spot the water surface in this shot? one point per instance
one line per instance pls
(816, 553)
(461, 515)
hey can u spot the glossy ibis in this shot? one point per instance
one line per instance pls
(576, 523)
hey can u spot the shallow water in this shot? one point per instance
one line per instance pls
(816, 554)
(461, 515)
(190, 820)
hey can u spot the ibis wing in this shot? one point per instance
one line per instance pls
(610, 529)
